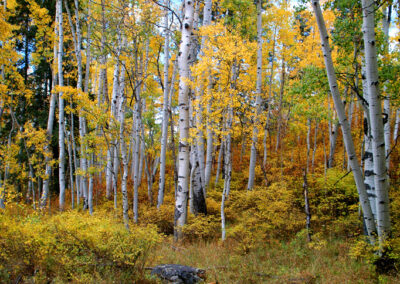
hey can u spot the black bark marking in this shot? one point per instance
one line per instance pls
(177, 214)
(368, 173)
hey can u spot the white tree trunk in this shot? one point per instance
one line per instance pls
(183, 104)
(210, 144)
(386, 99)
(253, 155)
(219, 162)
(228, 168)
(375, 114)
(164, 129)
(368, 156)
(61, 144)
(50, 121)
(125, 162)
(279, 118)
(136, 137)
(315, 145)
(348, 140)
(396, 125)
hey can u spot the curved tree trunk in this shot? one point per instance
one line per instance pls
(348, 140)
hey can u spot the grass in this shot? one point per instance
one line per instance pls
(271, 262)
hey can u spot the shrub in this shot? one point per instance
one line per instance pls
(72, 246)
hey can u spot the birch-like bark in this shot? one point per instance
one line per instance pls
(367, 155)
(164, 130)
(114, 112)
(332, 144)
(279, 118)
(219, 162)
(50, 121)
(396, 125)
(70, 160)
(61, 144)
(315, 146)
(375, 114)
(198, 202)
(136, 135)
(125, 162)
(253, 155)
(308, 143)
(386, 100)
(77, 37)
(348, 140)
(83, 119)
(209, 150)
(183, 155)
(228, 171)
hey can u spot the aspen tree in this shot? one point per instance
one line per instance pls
(183, 154)
(253, 155)
(348, 140)
(386, 100)
(50, 121)
(164, 130)
(375, 115)
(61, 144)
(209, 150)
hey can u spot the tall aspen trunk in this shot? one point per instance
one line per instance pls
(86, 89)
(136, 150)
(209, 150)
(253, 155)
(77, 37)
(227, 151)
(199, 113)
(70, 160)
(183, 154)
(375, 114)
(386, 100)
(279, 118)
(125, 162)
(50, 121)
(61, 145)
(228, 171)
(164, 130)
(368, 156)
(315, 145)
(348, 140)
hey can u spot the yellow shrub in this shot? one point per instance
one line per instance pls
(72, 246)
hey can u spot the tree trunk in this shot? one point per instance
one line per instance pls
(164, 130)
(61, 144)
(219, 162)
(207, 171)
(50, 121)
(348, 140)
(386, 100)
(375, 114)
(315, 146)
(183, 155)
(253, 155)
(279, 118)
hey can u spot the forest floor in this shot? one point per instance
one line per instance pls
(292, 261)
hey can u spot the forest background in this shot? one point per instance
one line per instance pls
(255, 139)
